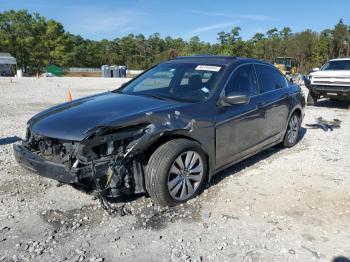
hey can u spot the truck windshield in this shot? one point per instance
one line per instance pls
(337, 65)
(283, 61)
(185, 82)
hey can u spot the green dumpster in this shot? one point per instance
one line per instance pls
(55, 70)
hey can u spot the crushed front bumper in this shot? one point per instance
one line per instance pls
(44, 168)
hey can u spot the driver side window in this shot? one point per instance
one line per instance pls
(243, 80)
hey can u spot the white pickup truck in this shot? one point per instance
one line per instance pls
(332, 81)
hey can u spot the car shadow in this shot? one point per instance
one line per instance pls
(333, 104)
(126, 198)
(234, 169)
(217, 178)
(9, 140)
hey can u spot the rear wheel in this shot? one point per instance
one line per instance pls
(292, 133)
(176, 172)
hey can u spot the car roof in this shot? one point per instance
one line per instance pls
(213, 59)
(339, 59)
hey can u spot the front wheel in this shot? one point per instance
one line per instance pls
(293, 130)
(176, 172)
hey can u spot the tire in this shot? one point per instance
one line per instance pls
(164, 174)
(293, 130)
(311, 99)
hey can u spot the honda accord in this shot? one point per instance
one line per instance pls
(167, 131)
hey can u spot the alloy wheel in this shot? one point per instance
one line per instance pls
(293, 129)
(185, 175)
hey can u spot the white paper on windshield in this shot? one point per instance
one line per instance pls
(208, 68)
(205, 90)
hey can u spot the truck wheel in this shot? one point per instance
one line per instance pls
(311, 99)
(293, 129)
(176, 172)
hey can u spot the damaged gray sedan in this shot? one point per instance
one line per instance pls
(167, 131)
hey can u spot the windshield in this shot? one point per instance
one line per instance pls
(185, 82)
(337, 65)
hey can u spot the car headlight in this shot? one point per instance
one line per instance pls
(110, 148)
(26, 134)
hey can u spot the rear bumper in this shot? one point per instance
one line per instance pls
(44, 168)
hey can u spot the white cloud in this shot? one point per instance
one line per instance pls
(102, 21)
(212, 27)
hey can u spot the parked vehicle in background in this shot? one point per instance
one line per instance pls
(331, 81)
(286, 65)
(167, 131)
(7, 64)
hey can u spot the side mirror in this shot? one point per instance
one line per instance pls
(315, 69)
(235, 98)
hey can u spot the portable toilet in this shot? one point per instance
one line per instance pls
(115, 71)
(105, 71)
(122, 71)
(111, 69)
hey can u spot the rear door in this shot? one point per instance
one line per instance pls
(275, 100)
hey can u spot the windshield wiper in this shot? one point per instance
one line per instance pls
(159, 97)
(156, 96)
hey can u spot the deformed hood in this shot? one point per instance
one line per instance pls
(73, 120)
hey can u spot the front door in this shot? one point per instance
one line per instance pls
(238, 126)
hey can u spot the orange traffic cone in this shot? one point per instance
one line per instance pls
(69, 96)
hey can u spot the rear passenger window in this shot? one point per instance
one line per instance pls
(269, 78)
(243, 81)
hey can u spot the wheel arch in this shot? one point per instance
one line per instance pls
(171, 136)
(297, 109)
(168, 137)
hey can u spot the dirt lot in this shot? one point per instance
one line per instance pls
(281, 205)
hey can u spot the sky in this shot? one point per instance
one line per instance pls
(110, 19)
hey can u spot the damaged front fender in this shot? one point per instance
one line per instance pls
(110, 159)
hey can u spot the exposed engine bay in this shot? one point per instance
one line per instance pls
(103, 162)
(109, 161)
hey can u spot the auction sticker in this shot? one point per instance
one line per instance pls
(208, 68)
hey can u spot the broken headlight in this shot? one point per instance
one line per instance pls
(116, 142)
(110, 148)
(26, 134)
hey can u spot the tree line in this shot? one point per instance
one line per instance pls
(36, 42)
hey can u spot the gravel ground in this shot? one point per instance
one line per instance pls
(281, 205)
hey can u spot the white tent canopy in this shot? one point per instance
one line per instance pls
(7, 59)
